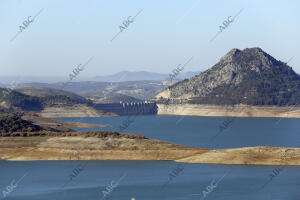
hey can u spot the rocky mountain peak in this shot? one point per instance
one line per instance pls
(253, 58)
(250, 74)
(229, 57)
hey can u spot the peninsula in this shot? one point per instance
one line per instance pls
(105, 145)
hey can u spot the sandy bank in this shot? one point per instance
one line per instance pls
(249, 156)
(91, 148)
(135, 147)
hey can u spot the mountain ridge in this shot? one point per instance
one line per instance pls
(122, 76)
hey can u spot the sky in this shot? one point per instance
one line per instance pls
(163, 35)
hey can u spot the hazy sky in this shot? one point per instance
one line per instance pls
(165, 34)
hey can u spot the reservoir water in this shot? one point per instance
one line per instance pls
(201, 131)
(145, 180)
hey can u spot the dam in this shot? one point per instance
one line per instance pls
(129, 108)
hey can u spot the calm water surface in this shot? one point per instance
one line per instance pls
(144, 180)
(200, 131)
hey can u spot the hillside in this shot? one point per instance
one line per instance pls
(14, 123)
(141, 76)
(250, 77)
(137, 89)
(37, 99)
(46, 92)
(53, 103)
(13, 100)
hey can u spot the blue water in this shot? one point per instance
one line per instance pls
(145, 180)
(200, 131)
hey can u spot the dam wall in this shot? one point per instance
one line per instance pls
(129, 108)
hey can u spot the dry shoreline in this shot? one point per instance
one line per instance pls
(134, 147)
(47, 123)
(76, 110)
(122, 147)
(260, 155)
(229, 111)
(184, 109)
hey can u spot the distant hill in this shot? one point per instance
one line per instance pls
(250, 77)
(74, 87)
(36, 99)
(53, 103)
(131, 76)
(141, 76)
(47, 92)
(13, 100)
(123, 76)
(140, 85)
(137, 89)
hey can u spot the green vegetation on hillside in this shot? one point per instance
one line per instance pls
(14, 123)
(96, 134)
(17, 100)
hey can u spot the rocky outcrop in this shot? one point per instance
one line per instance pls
(249, 77)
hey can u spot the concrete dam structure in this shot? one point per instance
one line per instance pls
(131, 108)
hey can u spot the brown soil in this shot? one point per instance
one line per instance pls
(116, 146)
(248, 155)
(120, 146)
(51, 124)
